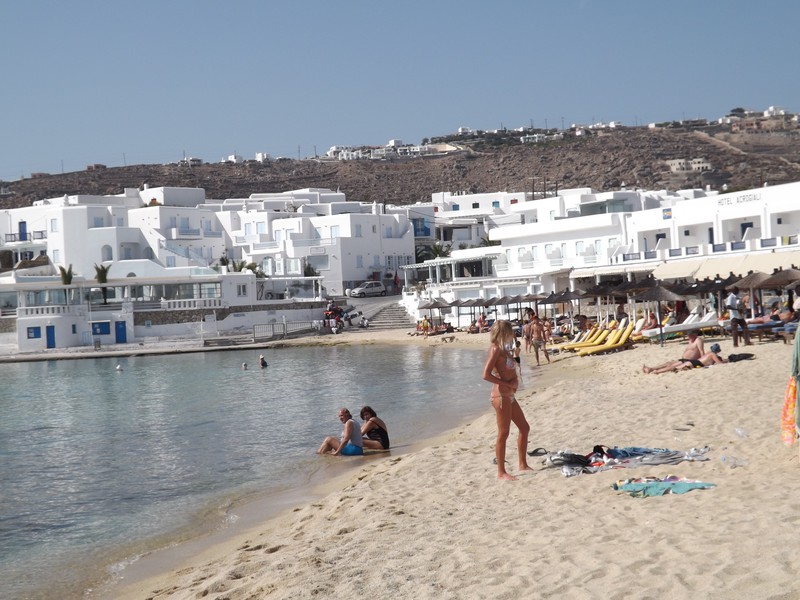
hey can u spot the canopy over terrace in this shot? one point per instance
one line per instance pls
(470, 263)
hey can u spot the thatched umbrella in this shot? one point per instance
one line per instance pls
(781, 279)
(659, 294)
(750, 282)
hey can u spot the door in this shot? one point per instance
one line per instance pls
(120, 332)
(745, 227)
(51, 336)
(23, 231)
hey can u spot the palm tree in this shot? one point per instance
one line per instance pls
(440, 250)
(101, 274)
(423, 253)
(485, 241)
(240, 266)
(66, 275)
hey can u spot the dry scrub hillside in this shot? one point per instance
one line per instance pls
(634, 157)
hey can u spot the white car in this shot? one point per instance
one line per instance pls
(369, 288)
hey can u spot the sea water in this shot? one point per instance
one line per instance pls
(101, 456)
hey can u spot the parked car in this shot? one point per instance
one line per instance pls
(369, 288)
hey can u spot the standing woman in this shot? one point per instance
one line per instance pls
(501, 370)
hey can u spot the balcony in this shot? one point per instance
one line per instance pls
(31, 236)
(182, 233)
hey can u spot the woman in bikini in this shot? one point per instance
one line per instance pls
(374, 430)
(501, 370)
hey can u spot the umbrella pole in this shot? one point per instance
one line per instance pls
(660, 325)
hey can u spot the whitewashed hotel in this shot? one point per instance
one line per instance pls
(157, 247)
(581, 237)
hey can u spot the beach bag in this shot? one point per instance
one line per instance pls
(789, 413)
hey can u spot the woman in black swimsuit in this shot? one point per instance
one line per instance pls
(374, 430)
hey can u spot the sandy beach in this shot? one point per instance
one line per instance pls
(436, 522)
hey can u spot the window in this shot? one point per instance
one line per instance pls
(376, 261)
(34, 333)
(320, 262)
(120, 221)
(101, 328)
(170, 261)
(552, 215)
(548, 249)
(241, 289)
(374, 229)
(579, 246)
(98, 222)
(248, 229)
(495, 203)
(74, 329)
(53, 225)
(514, 201)
(476, 205)
(261, 227)
(598, 246)
(613, 243)
(535, 252)
(357, 230)
(334, 232)
(184, 222)
(359, 262)
(56, 256)
(173, 221)
(388, 232)
(455, 207)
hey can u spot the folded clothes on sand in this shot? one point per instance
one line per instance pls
(643, 487)
(603, 458)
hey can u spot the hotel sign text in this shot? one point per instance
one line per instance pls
(741, 198)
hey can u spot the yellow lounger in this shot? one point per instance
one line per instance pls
(621, 342)
(600, 339)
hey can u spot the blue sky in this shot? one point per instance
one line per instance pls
(146, 81)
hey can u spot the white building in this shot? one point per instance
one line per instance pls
(157, 247)
(581, 237)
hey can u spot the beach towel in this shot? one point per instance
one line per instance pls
(603, 458)
(644, 487)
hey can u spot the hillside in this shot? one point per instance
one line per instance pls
(634, 157)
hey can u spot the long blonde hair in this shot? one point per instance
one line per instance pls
(501, 332)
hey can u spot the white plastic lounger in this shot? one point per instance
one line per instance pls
(708, 320)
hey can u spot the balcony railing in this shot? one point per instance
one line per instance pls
(29, 237)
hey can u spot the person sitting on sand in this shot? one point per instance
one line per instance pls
(708, 359)
(473, 327)
(374, 430)
(350, 443)
(691, 355)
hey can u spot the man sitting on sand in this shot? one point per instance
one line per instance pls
(708, 359)
(351, 443)
(691, 355)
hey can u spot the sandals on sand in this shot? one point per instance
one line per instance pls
(537, 452)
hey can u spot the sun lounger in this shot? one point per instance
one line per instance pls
(588, 337)
(596, 341)
(708, 321)
(621, 341)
